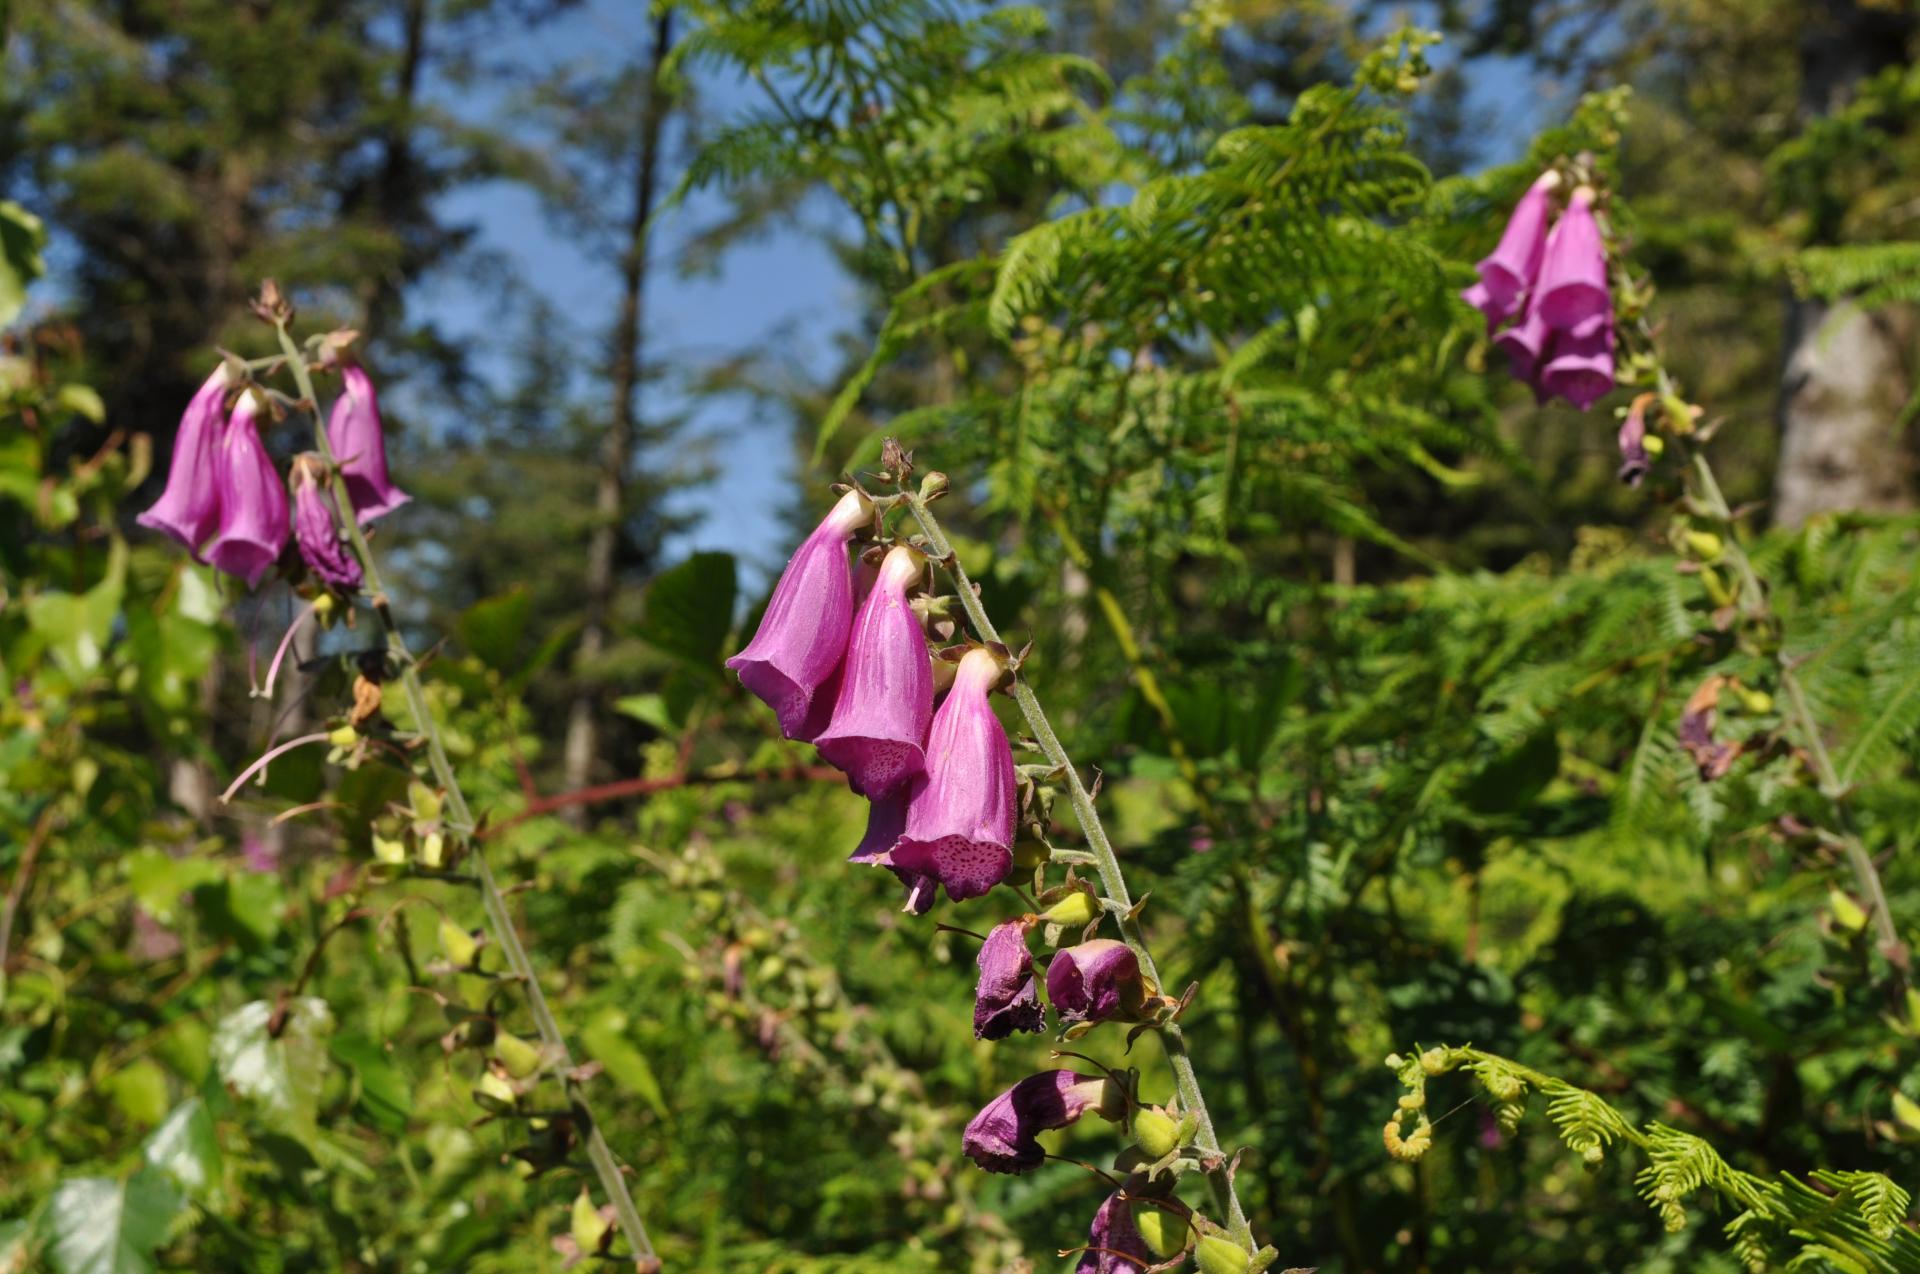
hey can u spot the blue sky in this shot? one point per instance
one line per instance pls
(781, 294)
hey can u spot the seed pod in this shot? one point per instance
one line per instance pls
(461, 947)
(1158, 1135)
(1163, 1231)
(1077, 908)
(519, 1057)
(590, 1229)
(1217, 1255)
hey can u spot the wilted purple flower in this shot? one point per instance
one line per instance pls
(886, 819)
(314, 529)
(1635, 459)
(960, 814)
(1005, 1000)
(353, 430)
(803, 633)
(1134, 1229)
(1579, 364)
(885, 700)
(1507, 275)
(189, 508)
(1093, 981)
(1002, 1137)
(253, 502)
(1573, 276)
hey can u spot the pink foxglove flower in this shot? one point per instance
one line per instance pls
(1003, 1136)
(886, 819)
(1635, 459)
(353, 430)
(1508, 274)
(189, 508)
(1573, 277)
(314, 529)
(1005, 1000)
(253, 501)
(1524, 342)
(1116, 1244)
(1094, 980)
(1579, 363)
(803, 633)
(879, 724)
(960, 815)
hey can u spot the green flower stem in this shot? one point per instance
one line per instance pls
(499, 920)
(1799, 712)
(1106, 864)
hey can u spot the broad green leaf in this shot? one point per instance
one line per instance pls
(386, 1095)
(22, 238)
(76, 625)
(690, 609)
(139, 1089)
(82, 400)
(186, 1148)
(282, 1075)
(606, 1042)
(492, 629)
(108, 1225)
(159, 880)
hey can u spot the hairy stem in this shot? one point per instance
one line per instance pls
(499, 920)
(1105, 863)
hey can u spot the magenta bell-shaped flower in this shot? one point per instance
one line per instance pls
(885, 700)
(1093, 981)
(1635, 459)
(353, 430)
(314, 529)
(1524, 342)
(886, 819)
(1003, 1136)
(189, 508)
(803, 633)
(1005, 1000)
(253, 501)
(960, 814)
(1573, 277)
(1579, 364)
(1507, 275)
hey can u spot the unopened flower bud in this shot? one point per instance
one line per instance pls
(343, 736)
(933, 486)
(324, 606)
(1157, 1133)
(519, 1057)
(432, 849)
(1077, 908)
(1217, 1255)
(388, 850)
(1758, 702)
(460, 946)
(425, 800)
(1653, 444)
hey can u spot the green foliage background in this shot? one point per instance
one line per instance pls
(1381, 672)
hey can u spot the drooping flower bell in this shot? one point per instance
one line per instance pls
(1573, 275)
(960, 814)
(253, 501)
(1094, 980)
(353, 430)
(314, 529)
(1637, 448)
(1003, 1136)
(886, 819)
(803, 633)
(189, 508)
(1524, 342)
(885, 700)
(1005, 1000)
(1508, 273)
(1579, 363)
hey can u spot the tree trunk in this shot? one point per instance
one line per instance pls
(1845, 374)
(616, 451)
